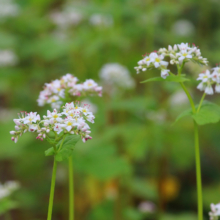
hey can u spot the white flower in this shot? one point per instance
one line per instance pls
(57, 91)
(205, 77)
(184, 54)
(7, 57)
(209, 90)
(8, 9)
(215, 211)
(165, 73)
(157, 60)
(31, 117)
(58, 127)
(183, 28)
(72, 121)
(114, 76)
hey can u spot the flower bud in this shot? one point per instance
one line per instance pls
(12, 132)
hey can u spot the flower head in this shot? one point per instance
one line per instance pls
(73, 120)
(56, 92)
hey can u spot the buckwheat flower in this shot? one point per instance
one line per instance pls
(54, 116)
(205, 77)
(56, 92)
(58, 127)
(8, 9)
(165, 73)
(206, 82)
(157, 60)
(184, 54)
(7, 57)
(183, 27)
(115, 76)
(215, 211)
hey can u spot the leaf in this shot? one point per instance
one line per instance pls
(169, 78)
(209, 113)
(67, 147)
(49, 151)
(183, 114)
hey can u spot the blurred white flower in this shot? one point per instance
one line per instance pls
(183, 27)
(7, 58)
(215, 211)
(147, 207)
(8, 8)
(7, 188)
(101, 20)
(156, 116)
(66, 18)
(178, 98)
(116, 75)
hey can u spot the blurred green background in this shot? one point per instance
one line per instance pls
(137, 166)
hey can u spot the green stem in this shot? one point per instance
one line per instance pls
(198, 173)
(197, 154)
(189, 97)
(71, 190)
(201, 101)
(53, 180)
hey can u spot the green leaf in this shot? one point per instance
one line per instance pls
(209, 113)
(169, 78)
(67, 147)
(187, 112)
(49, 151)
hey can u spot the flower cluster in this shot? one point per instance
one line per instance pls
(117, 75)
(153, 60)
(7, 188)
(71, 121)
(178, 54)
(56, 93)
(208, 79)
(215, 211)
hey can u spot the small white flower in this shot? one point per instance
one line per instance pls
(205, 76)
(165, 73)
(209, 90)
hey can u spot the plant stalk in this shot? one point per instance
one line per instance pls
(198, 173)
(53, 180)
(71, 189)
(197, 153)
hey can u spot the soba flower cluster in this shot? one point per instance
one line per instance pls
(178, 54)
(59, 91)
(114, 74)
(73, 120)
(208, 79)
(215, 211)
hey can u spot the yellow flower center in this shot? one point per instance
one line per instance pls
(55, 116)
(185, 54)
(84, 110)
(157, 60)
(69, 123)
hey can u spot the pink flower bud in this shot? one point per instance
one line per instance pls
(12, 132)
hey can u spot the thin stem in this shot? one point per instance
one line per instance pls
(53, 180)
(189, 97)
(71, 189)
(201, 101)
(198, 173)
